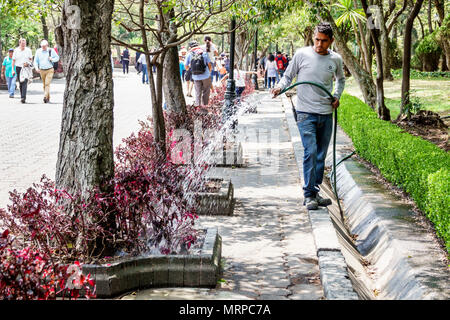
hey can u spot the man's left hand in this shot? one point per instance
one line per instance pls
(335, 103)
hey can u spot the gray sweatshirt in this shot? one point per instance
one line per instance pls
(308, 65)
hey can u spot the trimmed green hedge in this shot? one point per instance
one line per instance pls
(416, 165)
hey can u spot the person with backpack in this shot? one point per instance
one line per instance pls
(44, 63)
(281, 65)
(200, 64)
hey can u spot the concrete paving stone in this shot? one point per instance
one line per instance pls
(272, 297)
(275, 291)
(305, 292)
(268, 203)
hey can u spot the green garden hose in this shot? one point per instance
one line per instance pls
(334, 135)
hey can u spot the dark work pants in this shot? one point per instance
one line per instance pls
(125, 65)
(22, 85)
(315, 130)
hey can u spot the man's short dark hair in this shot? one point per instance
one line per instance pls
(325, 28)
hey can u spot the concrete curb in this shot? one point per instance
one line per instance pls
(401, 252)
(333, 269)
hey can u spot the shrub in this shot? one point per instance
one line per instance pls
(417, 166)
(29, 274)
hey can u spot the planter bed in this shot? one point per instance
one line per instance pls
(228, 157)
(217, 199)
(199, 268)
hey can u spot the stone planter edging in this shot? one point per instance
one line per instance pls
(217, 203)
(200, 269)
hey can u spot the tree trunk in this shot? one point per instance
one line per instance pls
(445, 42)
(44, 27)
(422, 29)
(85, 157)
(172, 84)
(369, 51)
(407, 57)
(385, 46)
(440, 8)
(364, 52)
(383, 112)
(430, 24)
(309, 33)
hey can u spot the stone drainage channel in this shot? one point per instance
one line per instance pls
(377, 250)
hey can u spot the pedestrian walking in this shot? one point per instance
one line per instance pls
(125, 59)
(43, 63)
(189, 80)
(281, 64)
(314, 108)
(227, 63)
(239, 77)
(272, 70)
(22, 59)
(143, 62)
(222, 71)
(138, 65)
(7, 73)
(262, 66)
(182, 68)
(199, 63)
(211, 49)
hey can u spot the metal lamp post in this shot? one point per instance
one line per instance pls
(255, 76)
(230, 93)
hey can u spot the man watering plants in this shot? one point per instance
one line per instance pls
(314, 107)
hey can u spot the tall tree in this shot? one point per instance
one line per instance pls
(406, 66)
(170, 23)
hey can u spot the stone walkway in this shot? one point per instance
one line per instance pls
(267, 246)
(29, 133)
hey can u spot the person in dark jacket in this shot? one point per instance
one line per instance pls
(125, 58)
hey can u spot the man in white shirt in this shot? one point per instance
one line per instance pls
(43, 63)
(22, 57)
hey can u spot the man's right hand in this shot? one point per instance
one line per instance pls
(275, 92)
(13, 73)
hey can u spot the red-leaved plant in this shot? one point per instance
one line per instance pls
(29, 274)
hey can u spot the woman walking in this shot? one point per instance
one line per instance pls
(272, 70)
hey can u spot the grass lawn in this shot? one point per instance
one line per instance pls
(433, 94)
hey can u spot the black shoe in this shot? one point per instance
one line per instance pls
(22, 100)
(45, 100)
(323, 202)
(311, 203)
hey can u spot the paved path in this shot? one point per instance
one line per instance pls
(268, 247)
(29, 133)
